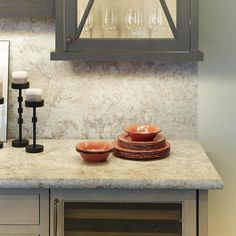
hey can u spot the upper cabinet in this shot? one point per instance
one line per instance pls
(127, 30)
(117, 29)
(27, 8)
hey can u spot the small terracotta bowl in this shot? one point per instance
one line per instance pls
(94, 151)
(142, 132)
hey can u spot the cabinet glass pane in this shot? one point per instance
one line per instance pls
(123, 219)
(127, 19)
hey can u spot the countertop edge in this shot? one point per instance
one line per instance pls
(110, 184)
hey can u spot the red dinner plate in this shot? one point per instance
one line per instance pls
(125, 141)
(141, 152)
(140, 157)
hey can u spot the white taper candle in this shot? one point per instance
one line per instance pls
(34, 95)
(19, 77)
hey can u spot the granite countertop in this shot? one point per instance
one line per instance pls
(60, 166)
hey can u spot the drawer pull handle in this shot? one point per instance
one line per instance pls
(55, 216)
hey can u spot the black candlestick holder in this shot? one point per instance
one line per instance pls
(34, 148)
(19, 143)
(1, 102)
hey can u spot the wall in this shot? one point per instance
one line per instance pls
(217, 109)
(95, 100)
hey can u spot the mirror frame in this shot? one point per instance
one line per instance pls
(4, 70)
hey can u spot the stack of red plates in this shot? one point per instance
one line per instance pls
(127, 148)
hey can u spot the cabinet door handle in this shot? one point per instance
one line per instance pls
(55, 216)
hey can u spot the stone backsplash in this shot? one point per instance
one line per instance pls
(94, 99)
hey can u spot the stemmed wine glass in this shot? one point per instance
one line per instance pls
(134, 20)
(88, 24)
(156, 21)
(109, 21)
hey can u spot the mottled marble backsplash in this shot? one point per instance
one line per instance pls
(95, 100)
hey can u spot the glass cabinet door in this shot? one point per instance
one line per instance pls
(122, 219)
(106, 25)
(127, 19)
(100, 212)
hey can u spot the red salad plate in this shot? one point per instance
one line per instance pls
(125, 141)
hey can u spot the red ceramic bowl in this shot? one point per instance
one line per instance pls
(142, 132)
(94, 151)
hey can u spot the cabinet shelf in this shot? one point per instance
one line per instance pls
(181, 56)
(69, 233)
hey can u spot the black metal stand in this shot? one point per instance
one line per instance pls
(34, 148)
(1, 102)
(19, 143)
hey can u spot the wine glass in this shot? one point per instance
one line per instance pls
(156, 21)
(88, 24)
(109, 22)
(134, 20)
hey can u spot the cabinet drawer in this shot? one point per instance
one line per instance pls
(19, 209)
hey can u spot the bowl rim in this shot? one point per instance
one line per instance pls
(158, 129)
(95, 152)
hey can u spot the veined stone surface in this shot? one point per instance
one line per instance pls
(95, 100)
(60, 166)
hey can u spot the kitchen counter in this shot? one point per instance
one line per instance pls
(60, 166)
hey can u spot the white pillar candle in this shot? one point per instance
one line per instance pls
(1, 82)
(34, 95)
(19, 77)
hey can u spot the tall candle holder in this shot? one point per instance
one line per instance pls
(20, 142)
(1, 102)
(34, 148)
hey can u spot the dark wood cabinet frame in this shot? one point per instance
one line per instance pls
(27, 8)
(184, 46)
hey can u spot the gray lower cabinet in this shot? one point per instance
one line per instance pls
(123, 213)
(107, 212)
(24, 212)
